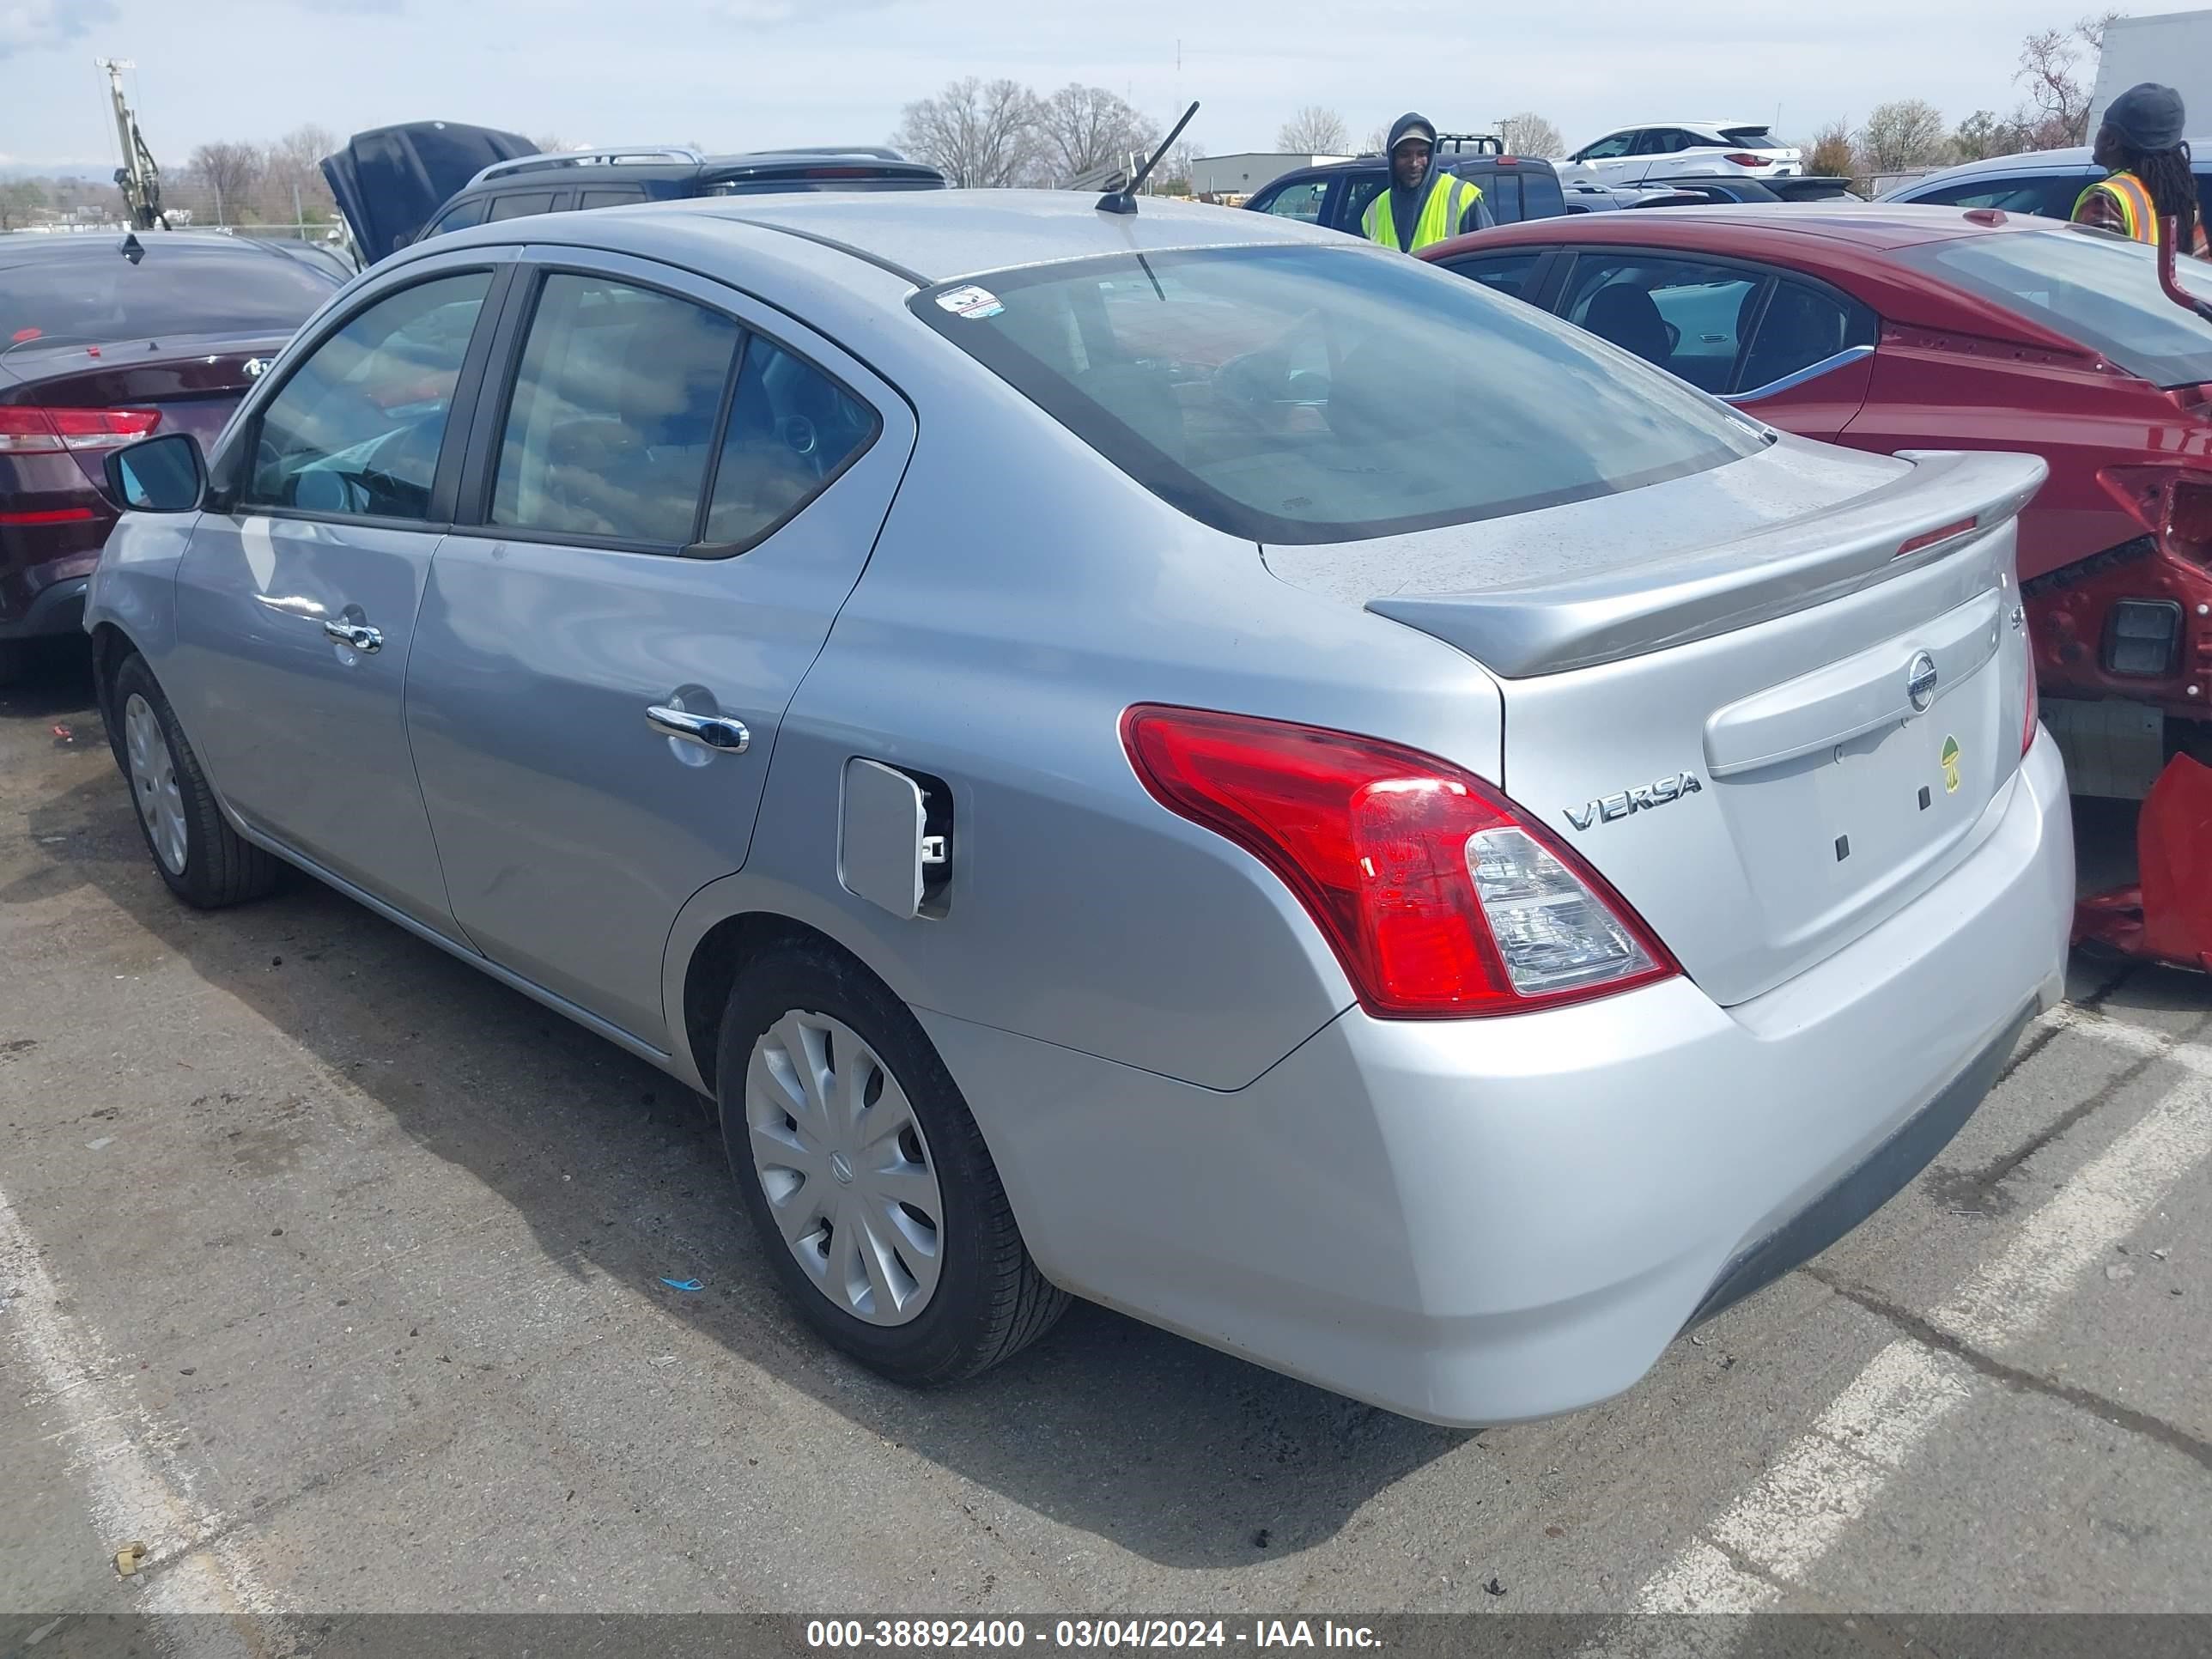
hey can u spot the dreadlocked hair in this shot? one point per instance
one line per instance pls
(2166, 175)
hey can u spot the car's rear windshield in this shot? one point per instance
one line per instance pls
(95, 294)
(2090, 286)
(1320, 394)
(1750, 137)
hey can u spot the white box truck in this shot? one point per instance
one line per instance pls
(2172, 48)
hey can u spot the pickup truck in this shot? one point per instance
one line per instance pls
(1334, 194)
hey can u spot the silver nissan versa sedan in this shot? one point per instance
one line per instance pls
(1175, 759)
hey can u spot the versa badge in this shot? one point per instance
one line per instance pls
(1641, 799)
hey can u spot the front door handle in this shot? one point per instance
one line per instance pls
(359, 635)
(716, 731)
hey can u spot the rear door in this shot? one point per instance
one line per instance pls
(296, 600)
(670, 491)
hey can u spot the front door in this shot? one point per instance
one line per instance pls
(679, 491)
(296, 600)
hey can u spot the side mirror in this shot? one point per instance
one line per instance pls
(167, 474)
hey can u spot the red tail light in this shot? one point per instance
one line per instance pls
(1439, 897)
(1744, 158)
(25, 428)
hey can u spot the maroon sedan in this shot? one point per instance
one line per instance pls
(1889, 327)
(104, 339)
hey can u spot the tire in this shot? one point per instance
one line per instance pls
(214, 866)
(986, 1300)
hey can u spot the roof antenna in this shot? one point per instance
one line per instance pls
(1124, 200)
(130, 247)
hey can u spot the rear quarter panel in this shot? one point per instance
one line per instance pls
(1022, 595)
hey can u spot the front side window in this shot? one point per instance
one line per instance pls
(614, 413)
(357, 428)
(1607, 147)
(1357, 193)
(1302, 202)
(461, 216)
(1309, 394)
(1685, 316)
(2091, 286)
(2045, 195)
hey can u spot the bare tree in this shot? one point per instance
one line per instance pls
(1313, 131)
(1830, 155)
(230, 172)
(1178, 172)
(1985, 133)
(293, 183)
(1085, 127)
(1530, 134)
(1906, 132)
(1377, 137)
(2058, 87)
(977, 133)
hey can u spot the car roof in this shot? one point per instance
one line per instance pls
(1635, 126)
(2078, 157)
(932, 236)
(1871, 225)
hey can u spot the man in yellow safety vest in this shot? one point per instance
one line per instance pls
(2140, 145)
(1423, 204)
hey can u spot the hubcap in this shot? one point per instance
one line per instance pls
(845, 1168)
(153, 783)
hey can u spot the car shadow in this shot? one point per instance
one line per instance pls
(1176, 1453)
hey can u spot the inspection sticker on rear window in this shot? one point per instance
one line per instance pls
(970, 301)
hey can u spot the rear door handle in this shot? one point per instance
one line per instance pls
(716, 731)
(362, 638)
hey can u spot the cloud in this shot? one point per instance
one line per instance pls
(42, 25)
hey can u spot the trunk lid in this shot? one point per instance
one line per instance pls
(1734, 696)
(194, 383)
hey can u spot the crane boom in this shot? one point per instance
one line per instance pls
(139, 178)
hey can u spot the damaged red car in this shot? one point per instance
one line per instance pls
(1899, 328)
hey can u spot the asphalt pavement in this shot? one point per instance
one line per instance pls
(331, 1272)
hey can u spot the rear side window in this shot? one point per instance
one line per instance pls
(1802, 326)
(1317, 394)
(521, 205)
(614, 413)
(599, 198)
(1357, 193)
(357, 428)
(792, 431)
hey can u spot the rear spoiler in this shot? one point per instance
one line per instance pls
(1549, 627)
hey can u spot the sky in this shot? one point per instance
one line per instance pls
(752, 73)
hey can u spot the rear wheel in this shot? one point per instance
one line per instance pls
(874, 1198)
(205, 862)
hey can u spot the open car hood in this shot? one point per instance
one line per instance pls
(389, 180)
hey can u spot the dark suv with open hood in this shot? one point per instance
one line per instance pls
(400, 185)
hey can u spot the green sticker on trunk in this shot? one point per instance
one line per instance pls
(1950, 759)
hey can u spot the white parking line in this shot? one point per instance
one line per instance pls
(134, 1491)
(1830, 1475)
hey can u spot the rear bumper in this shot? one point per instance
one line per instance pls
(1476, 1222)
(54, 610)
